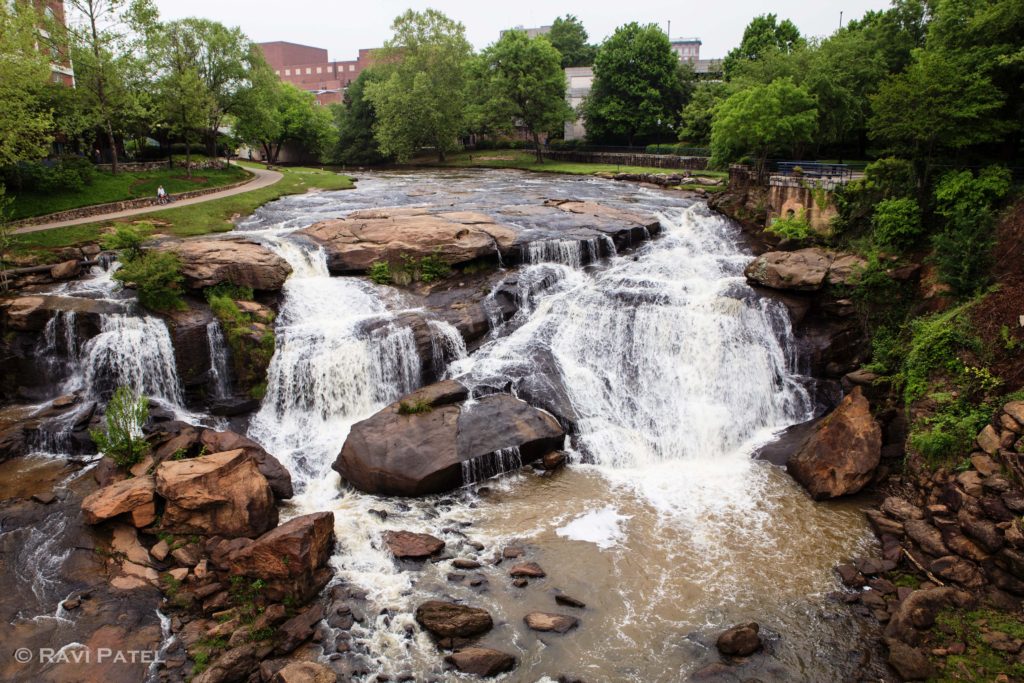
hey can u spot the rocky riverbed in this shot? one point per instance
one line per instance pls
(544, 448)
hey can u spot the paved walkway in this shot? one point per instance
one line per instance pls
(264, 178)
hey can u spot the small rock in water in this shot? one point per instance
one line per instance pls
(406, 545)
(546, 621)
(44, 498)
(465, 563)
(740, 641)
(72, 603)
(382, 514)
(448, 619)
(568, 601)
(512, 552)
(456, 577)
(553, 460)
(521, 583)
(481, 661)
(530, 570)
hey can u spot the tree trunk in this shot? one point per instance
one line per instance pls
(537, 149)
(188, 158)
(113, 147)
(101, 94)
(440, 155)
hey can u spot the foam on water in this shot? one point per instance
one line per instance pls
(601, 527)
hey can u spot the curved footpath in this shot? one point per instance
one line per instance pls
(263, 178)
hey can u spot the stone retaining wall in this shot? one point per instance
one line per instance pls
(135, 166)
(648, 160)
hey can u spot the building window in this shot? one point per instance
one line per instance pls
(351, 67)
(287, 72)
(309, 70)
(319, 70)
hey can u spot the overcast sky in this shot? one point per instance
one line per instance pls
(344, 27)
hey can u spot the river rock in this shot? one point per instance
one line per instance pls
(740, 641)
(305, 672)
(277, 475)
(547, 621)
(291, 559)
(840, 457)
(451, 620)
(909, 662)
(481, 661)
(134, 497)
(355, 242)
(406, 545)
(803, 270)
(916, 613)
(529, 570)
(418, 454)
(220, 494)
(209, 262)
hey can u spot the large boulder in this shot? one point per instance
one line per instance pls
(222, 494)
(355, 242)
(841, 455)
(277, 475)
(406, 545)
(740, 641)
(804, 270)
(481, 661)
(32, 313)
(418, 445)
(134, 497)
(451, 620)
(291, 559)
(209, 262)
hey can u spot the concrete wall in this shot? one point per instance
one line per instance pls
(791, 196)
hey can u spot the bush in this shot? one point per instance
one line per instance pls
(122, 440)
(678, 149)
(380, 272)
(415, 407)
(433, 267)
(68, 174)
(126, 240)
(156, 277)
(794, 227)
(891, 177)
(251, 350)
(896, 223)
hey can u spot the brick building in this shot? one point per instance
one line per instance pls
(309, 68)
(61, 70)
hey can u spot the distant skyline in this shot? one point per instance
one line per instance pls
(343, 29)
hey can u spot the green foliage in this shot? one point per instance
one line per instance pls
(897, 223)
(935, 347)
(425, 269)
(355, 120)
(890, 178)
(126, 240)
(251, 347)
(981, 662)
(416, 407)
(950, 432)
(569, 37)
(229, 290)
(421, 100)
(763, 119)
(156, 277)
(795, 227)
(762, 35)
(639, 87)
(696, 117)
(122, 440)
(26, 125)
(433, 267)
(380, 272)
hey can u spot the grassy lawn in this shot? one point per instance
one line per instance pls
(188, 221)
(525, 160)
(107, 187)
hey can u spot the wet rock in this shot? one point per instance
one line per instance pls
(521, 582)
(512, 552)
(220, 494)
(406, 545)
(841, 455)
(926, 536)
(292, 559)
(233, 665)
(901, 509)
(297, 630)
(305, 672)
(481, 661)
(132, 497)
(277, 475)
(463, 563)
(66, 270)
(803, 270)
(547, 621)
(909, 662)
(740, 641)
(869, 566)
(569, 601)
(528, 570)
(421, 453)
(209, 262)
(451, 620)
(554, 460)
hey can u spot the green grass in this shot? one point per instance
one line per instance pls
(980, 662)
(107, 187)
(527, 161)
(188, 221)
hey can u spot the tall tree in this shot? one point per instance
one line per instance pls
(421, 101)
(25, 124)
(285, 114)
(355, 119)
(640, 87)
(570, 39)
(696, 117)
(184, 98)
(763, 119)
(105, 35)
(762, 34)
(525, 85)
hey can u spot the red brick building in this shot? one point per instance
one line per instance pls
(61, 70)
(309, 68)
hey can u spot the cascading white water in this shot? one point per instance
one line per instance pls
(447, 346)
(135, 351)
(486, 466)
(328, 370)
(220, 378)
(574, 253)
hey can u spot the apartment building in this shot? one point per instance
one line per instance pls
(61, 69)
(309, 68)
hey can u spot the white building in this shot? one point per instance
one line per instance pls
(578, 81)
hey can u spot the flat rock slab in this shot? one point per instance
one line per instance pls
(406, 545)
(529, 570)
(209, 262)
(546, 621)
(481, 661)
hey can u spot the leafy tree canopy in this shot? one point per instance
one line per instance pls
(762, 34)
(570, 39)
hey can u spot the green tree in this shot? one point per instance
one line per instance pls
(761, 120)
(355, 119)
(105, 38)
(156, 277)
(570, 39)
(278, 113)
(639, 87)
(122, 440)
(421, 100)
(525, 85)
(763, 34)
(25, 125)
(696, 117)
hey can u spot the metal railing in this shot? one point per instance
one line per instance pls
(814, 169)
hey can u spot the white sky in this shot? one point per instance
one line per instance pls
(345, 26)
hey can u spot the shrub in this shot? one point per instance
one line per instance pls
(415, 407)
(126, 240)
(156, 276)
(891, 177)
(228, 290)
(896, 223)
(795, 227)
(122, 440)
(433, 267)
(380, 272)
(251, 350)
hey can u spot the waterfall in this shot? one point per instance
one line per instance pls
(447, 346)
(491, 465)
(220, 379)
(331, 367)
(130, 350)
(574, 253)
